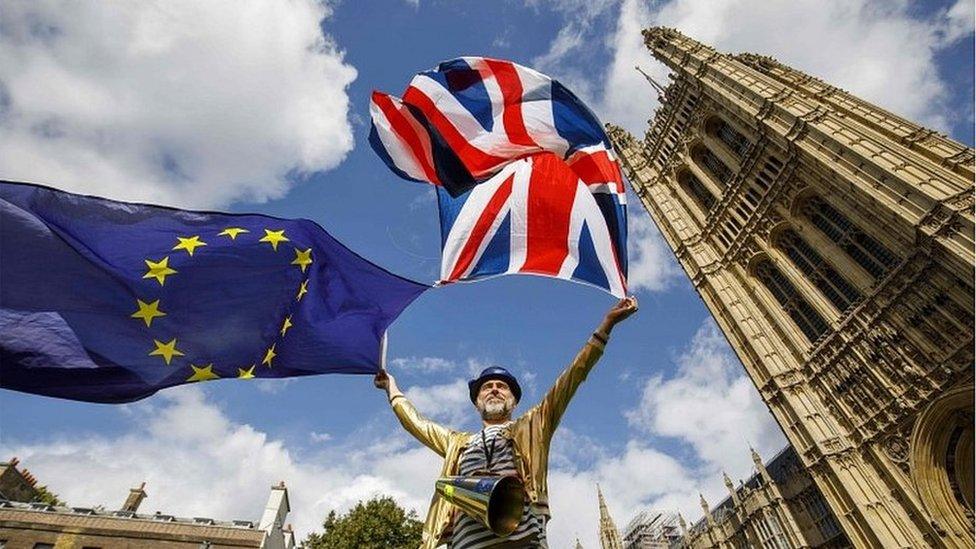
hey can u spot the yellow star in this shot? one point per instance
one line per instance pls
(246, 374)
(166, 350)
(269, 356)
(302, 290)
(285, 325)
(274, 238)
(232, 232)
(303, 259)
(202, 373)
(189, 244)
(159, 270)
(148, 311)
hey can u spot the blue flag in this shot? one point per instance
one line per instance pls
(107, 301)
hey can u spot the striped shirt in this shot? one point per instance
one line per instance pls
(469, 533)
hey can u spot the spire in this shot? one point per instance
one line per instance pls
(731, 487)
(683, 524)
(661, 91)
(609, 536)
(759, 465)
(578, 544)
(704, 506)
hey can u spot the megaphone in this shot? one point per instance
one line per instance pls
(495, 501)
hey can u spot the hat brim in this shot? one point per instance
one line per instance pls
(474, 386)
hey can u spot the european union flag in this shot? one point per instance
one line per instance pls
(108, 301)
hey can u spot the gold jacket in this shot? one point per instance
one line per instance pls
(530, 435)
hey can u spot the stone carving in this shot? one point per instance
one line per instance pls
(866, 375)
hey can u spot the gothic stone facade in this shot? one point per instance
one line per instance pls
(778, 507)
(833, 243)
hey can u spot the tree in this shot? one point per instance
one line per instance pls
(46, 496)
(377, 524)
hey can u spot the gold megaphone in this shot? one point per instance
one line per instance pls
(496, 501)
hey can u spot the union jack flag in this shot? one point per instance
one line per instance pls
(511, 152)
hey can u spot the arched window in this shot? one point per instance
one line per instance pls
(863, 249)
(835, 287)
(713, 165)
(735, 141)
(698, 190)
(806, 317)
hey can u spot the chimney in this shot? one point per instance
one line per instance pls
(289, 537)
(136, 495)
(28, 477)
(277, 509)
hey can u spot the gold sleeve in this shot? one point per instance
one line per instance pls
(553, 405)
(431, 434)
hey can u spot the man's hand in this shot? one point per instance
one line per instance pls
(623, 309)
(383, 380)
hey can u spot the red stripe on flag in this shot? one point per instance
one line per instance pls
(511, 87)
(597, 167)
(552, 191)
(481, 227)
(475, 160)
(409, 132)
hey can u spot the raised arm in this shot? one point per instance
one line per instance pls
(551, 409)
(431, 434)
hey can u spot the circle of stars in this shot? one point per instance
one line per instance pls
(159, 269)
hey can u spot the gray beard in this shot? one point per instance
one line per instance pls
(495, 410)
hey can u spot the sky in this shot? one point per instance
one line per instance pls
(263, 107)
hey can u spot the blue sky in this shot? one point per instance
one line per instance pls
(262, 108)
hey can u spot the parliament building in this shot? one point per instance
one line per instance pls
(833, 242)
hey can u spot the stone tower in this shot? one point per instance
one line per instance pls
(609, 535)
(833, 243)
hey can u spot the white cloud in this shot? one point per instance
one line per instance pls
(652, 266)
(959, 21)
(423, 364)
(476, 365)
(315, 436)
(877, 50)
(196, 461)
(628, 99)
(638, 476)
(579, 22)
(710, 403)
(185, 103)
(272, 385)
(448, 403)
(709, 406)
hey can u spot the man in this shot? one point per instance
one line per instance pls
(503, 446)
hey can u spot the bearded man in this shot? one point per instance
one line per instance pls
(504, 446)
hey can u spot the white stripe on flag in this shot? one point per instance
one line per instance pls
(495, 142)
(575, 229)
(460, 233)
(539, 122)
(399, 153)
(458, 116)
(601, 242)
(495, 95)
(519, 225)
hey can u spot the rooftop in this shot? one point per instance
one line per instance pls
(125, 515)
